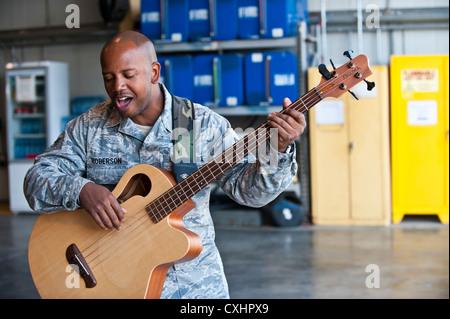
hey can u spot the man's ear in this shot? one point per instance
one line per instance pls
(156, 72)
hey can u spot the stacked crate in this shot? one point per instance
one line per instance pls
(231, 79)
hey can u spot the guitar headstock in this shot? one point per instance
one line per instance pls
(342, 79)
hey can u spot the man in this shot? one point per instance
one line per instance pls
(135, 126)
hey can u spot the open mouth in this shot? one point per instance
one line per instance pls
(123, 102)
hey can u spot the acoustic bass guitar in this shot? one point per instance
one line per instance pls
(71, 257)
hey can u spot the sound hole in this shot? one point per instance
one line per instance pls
(139, 184)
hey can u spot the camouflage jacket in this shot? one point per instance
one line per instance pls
(99, 146)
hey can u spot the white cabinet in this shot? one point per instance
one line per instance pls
(37, 97)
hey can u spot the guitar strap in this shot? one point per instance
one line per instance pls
(183, 137)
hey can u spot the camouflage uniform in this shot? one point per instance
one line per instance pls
(99, 146)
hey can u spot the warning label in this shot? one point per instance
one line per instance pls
(420, 80)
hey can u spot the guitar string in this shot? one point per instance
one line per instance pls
(210, 177)
(117, 242)
(300, 102)
(136, 219)
(306, 98)
(100, 238)
(226, 156)
(126, 223)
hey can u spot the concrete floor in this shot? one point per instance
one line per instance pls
(408, 260)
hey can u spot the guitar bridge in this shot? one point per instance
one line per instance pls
(74, 257)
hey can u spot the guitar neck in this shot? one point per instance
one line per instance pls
(194, 183)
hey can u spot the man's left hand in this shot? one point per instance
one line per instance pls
(290, 125)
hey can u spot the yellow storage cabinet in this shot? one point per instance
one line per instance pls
(350, 160)
(420, 136)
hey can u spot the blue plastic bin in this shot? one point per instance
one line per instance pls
(175, 22)
(213, 20)
(177, 75)
(229, 79)
(270, 18)
(204, 79)
(151, 19)
(270, 77)
(219, 79)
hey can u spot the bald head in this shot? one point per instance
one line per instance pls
(131, 76)
(133, 40)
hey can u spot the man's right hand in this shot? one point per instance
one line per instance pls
(100, 203)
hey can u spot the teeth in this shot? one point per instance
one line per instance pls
(122, 98)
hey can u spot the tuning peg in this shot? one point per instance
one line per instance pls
(332, 64)
(353, 94)
(370, 85)
(324, 71)
(348, 54)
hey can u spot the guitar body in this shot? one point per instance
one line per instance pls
(130, 263)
